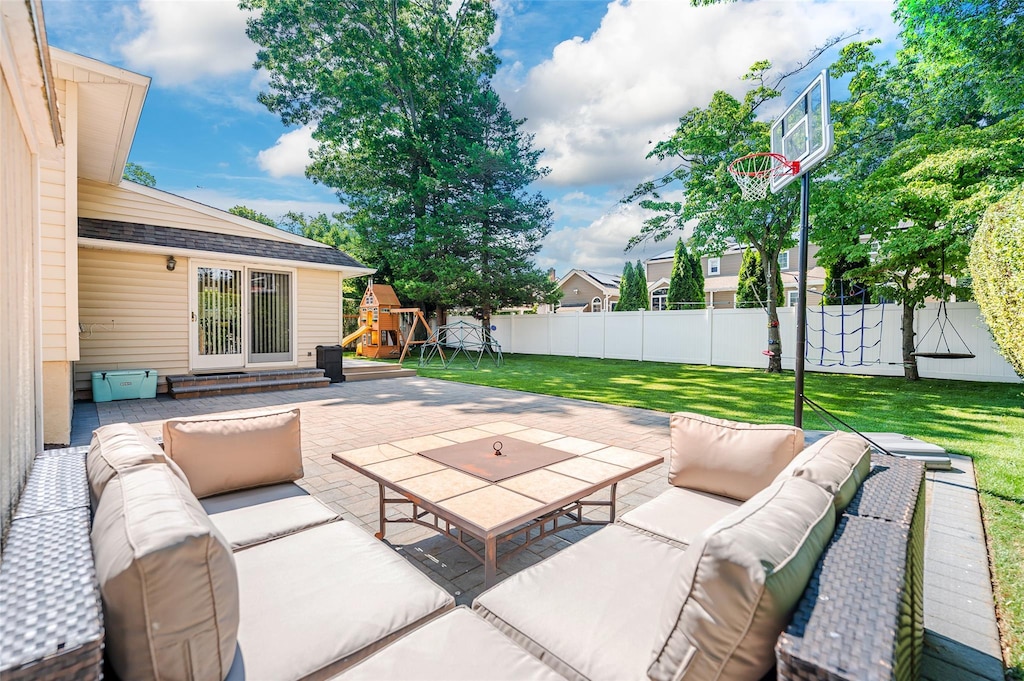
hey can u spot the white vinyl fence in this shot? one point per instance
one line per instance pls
(848, 339)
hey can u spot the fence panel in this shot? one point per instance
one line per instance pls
(867, 340)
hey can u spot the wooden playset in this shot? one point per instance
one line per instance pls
(380, 324)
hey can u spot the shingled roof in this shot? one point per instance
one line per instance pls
(211, 242)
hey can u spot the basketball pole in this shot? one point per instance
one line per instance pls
(801, 303)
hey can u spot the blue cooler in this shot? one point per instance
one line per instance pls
(129, 384)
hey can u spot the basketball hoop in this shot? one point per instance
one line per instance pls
(754, 172)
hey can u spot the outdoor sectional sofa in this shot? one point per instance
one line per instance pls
(761, 554)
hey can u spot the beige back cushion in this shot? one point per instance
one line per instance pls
(168, 580)
(237, 452)
(838, 463)
(740, 582)
(736, 460)
(117, 447)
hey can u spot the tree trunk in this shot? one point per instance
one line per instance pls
(485, 323)
(774, 337)
(909, 361)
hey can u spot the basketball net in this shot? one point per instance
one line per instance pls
(754, 173)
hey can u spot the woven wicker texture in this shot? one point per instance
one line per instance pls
(890, 492)
(853, 621)
(52, 626)
(57, 482)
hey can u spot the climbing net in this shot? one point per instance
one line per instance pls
(849, 337)
(471, 341)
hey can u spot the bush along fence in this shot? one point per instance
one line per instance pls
(841, 339)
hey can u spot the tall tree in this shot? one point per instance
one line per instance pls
(409, 131)
(751, 290)
(640, 294)
(696, 279)
(627, 291)
(251, 214)
(133, 172)
(704, 143)
(678, 283)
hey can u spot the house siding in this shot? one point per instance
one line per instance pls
(19, 357)
(587, 291)
(134, 315)
(107, 202)
(659, 270)
(319, 323)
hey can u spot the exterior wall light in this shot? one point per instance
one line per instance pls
(171, 263)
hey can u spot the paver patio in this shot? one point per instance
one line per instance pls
(961, 638)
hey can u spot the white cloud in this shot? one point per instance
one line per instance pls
(597, 104)
(290, 154)
(600, 245)
(182, 42)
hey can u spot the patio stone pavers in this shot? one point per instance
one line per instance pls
(961, 639)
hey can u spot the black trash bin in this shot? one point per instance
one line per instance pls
(328, 358)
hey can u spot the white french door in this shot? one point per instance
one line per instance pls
(241, 316)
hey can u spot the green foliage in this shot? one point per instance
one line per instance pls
(430, 164)
(687, 282)
(640, 295)
(627, 290)
(969, 54)
(254, 215)
(133, 172)
(332, 230)
(997, 270)
(751, 288)
(843, 289)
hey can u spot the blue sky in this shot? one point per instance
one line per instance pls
(599, 82)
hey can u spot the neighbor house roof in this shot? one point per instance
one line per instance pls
(609, 283)
(176, 241)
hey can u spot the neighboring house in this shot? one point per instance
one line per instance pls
(586, 291)
(133, 277)
(721, 276)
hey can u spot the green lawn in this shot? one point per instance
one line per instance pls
(982, 420)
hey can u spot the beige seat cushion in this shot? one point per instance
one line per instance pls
(733, 459)
(322, 599)
(237, 452)
(458, 646)
(117, 447)
(838, 463)
(679, 515)
(170, 592)
(741, 581)
(593, 610)
(253, 516)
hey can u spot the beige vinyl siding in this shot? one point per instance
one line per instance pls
(134, 313)
(107, 202)
(54, 280)
(587, 291)
(319, 313)
(19, 430)
(659, 270)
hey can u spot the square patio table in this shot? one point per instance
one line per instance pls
(533, 504)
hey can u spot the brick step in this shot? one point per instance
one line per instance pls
(369, 374)
(239, 388)
(240, 377)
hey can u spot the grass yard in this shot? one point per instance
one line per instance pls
(982, 420)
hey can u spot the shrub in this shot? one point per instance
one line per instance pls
(997, 270)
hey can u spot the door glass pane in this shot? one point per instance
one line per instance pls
(270, 319)
(220, 312)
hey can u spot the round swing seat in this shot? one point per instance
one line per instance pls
(944, 355)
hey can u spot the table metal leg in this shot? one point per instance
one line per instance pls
(611, 506)
(490, 561)
(382, 524)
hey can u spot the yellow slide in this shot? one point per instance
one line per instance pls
(354, 335)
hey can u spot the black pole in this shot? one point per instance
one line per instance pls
(801, 303)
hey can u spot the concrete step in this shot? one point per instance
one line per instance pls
(364, 374)
(183, 387)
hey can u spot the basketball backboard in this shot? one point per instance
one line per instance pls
(804, 131)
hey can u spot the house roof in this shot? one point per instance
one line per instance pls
(171, 240)
(609, 283)
(815, 277)
(109, 102)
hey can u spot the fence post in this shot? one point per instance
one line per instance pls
(578, 334)
(604, 333)
(710, 314)
(643, 332)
